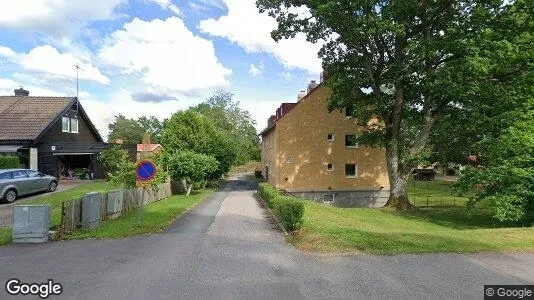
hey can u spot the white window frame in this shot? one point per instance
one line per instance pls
(63, 123)
(355, 170)
(330, 201)
(330, 169)
(77, 125)
(333, 137)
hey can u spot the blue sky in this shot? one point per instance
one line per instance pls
(151, 57)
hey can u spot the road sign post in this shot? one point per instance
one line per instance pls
(145, 173)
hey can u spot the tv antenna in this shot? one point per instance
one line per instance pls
(77, 66)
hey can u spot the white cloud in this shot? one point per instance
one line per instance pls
(54, 17)
(8, 85)
(245, 26)
(256, 70)
(166, 55)
(48, 60)
(167, 4)
(102, 113)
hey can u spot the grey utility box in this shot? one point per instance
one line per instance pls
(31, 223)
(115, 204)
(91, 205)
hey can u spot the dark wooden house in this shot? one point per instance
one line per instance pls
(53, 135)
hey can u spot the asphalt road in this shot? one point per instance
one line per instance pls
(226, 249)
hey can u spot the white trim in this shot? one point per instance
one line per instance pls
(328, 169)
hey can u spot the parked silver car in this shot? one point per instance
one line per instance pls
(18, 182)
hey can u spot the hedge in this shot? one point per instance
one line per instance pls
(290, 211)
(267, 192)
(9, 162)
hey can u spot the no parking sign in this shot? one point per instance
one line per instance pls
(145, 173)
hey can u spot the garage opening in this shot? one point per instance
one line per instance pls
(76, 166)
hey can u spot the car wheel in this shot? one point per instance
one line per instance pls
(10, 196)
(52, 186)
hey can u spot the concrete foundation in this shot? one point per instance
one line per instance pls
(347, 198)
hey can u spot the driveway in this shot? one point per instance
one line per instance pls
(6, 210)
(225, 248)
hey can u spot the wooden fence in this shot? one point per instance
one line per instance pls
(71, 211)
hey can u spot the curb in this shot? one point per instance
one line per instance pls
(264, 204)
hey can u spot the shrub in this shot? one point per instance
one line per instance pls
(267, 192)
(9, 162)
(290, 211)
(258, 174)
(195, 168)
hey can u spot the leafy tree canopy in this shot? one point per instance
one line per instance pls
(131, 131)
(411, 64)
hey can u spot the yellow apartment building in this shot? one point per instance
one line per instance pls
(312, 154)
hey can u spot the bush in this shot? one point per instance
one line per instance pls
(290, 211)
(267, 192)
(258, 174)
(9, 162)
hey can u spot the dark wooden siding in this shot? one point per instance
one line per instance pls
(55, 133)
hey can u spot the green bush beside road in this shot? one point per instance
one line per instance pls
(290, 211)
(267, 192)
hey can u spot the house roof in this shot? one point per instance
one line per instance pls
(151, 147)
(26, 118)
(272, 126)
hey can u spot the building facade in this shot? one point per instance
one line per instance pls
(313, 154)
(54, 135)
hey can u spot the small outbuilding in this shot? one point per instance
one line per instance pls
(424, 174)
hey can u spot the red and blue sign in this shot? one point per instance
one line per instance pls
(145, 170)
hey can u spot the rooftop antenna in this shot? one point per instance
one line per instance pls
(77, 99)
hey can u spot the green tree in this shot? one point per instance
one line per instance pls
(409, 64)
(236, 122)
(189, 130)
(120, 170)
(506, 174)
(131, 131)
(195, 168)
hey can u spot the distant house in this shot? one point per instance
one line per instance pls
(314, 154)
(147, 149)
(424, 174)
(53, 135)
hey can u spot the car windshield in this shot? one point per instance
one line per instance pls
(32, 173)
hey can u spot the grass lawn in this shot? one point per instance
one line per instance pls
(157, 216)
(426, 229)
(57, 198)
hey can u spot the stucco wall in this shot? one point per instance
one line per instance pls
(303, 150)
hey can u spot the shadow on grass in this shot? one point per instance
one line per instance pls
(454, 217)
(350, 239)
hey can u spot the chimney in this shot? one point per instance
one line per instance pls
(271, 120)
(21, 92)
(301, 95)
(313, 84)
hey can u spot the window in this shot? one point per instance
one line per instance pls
(330, 137)
(330, 167)
(65, 124)
(69, 125)
(351, 170)
(351, 141)
(328, 198)
(6, 175)
(32, 173)
(19, 174)
(74, 125)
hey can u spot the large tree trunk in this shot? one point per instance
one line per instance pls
(398, 172)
